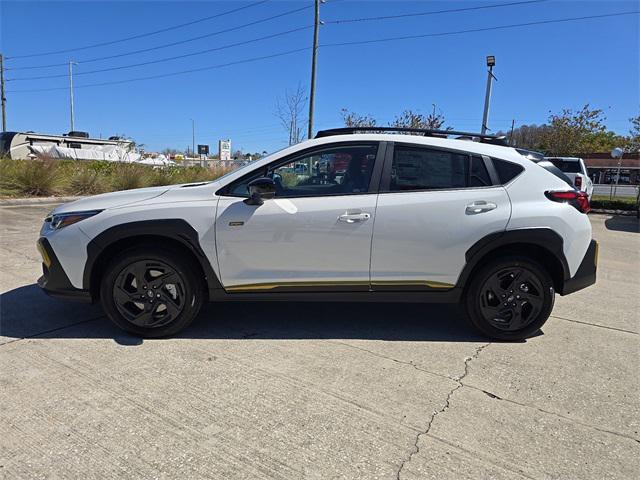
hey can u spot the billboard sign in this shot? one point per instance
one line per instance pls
(203, 149)
(224, 150)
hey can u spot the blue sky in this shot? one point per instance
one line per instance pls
(539, 68)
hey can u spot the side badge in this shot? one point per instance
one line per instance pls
(236, 224)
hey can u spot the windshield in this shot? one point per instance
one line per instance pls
(567, 166)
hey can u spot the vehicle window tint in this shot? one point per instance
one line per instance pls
(566, 166)
(506, 170)
(479, 176)
(425, 169)
(335, 171)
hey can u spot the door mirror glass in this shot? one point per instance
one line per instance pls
(260, 189)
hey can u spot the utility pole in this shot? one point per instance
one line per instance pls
(513, 123)
(71, 64)
(193, 137)
(491, 61)
(314, 60)
(2, 95)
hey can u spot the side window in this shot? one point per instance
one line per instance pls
(506, 170)
(479, 176)
(335, 171)
(425, 169)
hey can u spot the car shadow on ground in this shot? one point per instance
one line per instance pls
(28, 312)
(623, 223)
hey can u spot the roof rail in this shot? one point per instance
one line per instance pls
(492, 139)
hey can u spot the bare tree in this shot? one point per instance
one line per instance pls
(352, 119)
(289, 111)
(410, 119)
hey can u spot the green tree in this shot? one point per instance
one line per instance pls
(574, 133)
(632, 145)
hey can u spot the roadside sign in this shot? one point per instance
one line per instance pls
(203, 149)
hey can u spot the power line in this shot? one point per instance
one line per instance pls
(433, 12)
(474, 30)
(141, 35)
(337, 44)
(166, 59)
(179, 42)
(172, 74)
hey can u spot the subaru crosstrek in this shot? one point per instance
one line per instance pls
(352, 215)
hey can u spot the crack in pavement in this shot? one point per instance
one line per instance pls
(444, 408)
(595, 325)
(35, 335)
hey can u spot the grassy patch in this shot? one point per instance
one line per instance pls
(603, 202)
(25, 178)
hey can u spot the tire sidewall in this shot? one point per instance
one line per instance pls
(472, 298)
(192, 284)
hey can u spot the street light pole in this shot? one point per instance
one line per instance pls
(71, 64)
(314, 60)
(491, 61)
(616, 153)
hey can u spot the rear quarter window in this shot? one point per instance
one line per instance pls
(567, 166)
(506, 171)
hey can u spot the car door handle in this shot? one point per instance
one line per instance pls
(480, 206)
(354, 217)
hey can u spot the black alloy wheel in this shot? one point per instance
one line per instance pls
(149, 293)
(152, 292)
(509, 298)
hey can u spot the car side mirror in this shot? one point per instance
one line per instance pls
(260, 189)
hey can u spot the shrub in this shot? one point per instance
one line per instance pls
(86, 181)
(33, 177)
(126, 176)
(615, 204)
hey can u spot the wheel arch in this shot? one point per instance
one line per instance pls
(176, 234)
(540, 244)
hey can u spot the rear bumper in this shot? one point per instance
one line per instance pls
(54, 281)
(586, 274)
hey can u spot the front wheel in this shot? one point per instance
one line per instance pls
(510, 298)
(151, 292)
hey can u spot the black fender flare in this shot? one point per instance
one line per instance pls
(545, 238)
(176, 229)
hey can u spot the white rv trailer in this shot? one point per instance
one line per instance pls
(76, 145)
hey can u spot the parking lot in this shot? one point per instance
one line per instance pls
(320, 391)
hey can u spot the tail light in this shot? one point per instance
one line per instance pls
(578, 182)
(577, 199)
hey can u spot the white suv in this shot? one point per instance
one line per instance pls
(347, 216)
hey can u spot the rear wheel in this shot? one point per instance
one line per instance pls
(510, 298)
(151, 292)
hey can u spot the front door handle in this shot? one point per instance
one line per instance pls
(354, 217)
(480, 206)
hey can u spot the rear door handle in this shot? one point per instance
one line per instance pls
(354, 217)
(480, 206)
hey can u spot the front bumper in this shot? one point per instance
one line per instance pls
(54, 280)
(586, 274)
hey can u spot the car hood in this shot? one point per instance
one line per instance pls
(114, 199)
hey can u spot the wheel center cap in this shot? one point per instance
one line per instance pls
(150, 294)
(510, 299)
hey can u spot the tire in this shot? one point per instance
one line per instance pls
(505, 307)
(152, 292)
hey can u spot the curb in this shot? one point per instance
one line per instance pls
(613, 212)
(9, 202)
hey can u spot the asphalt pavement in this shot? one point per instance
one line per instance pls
(319, 391)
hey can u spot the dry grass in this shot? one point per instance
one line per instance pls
(24, 178)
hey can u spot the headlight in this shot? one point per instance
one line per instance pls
(61, 220)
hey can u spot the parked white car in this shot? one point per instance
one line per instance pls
(377, 217)
(576, 170)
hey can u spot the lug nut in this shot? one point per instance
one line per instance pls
(158, 295)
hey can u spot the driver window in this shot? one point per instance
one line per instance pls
(335, 171)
